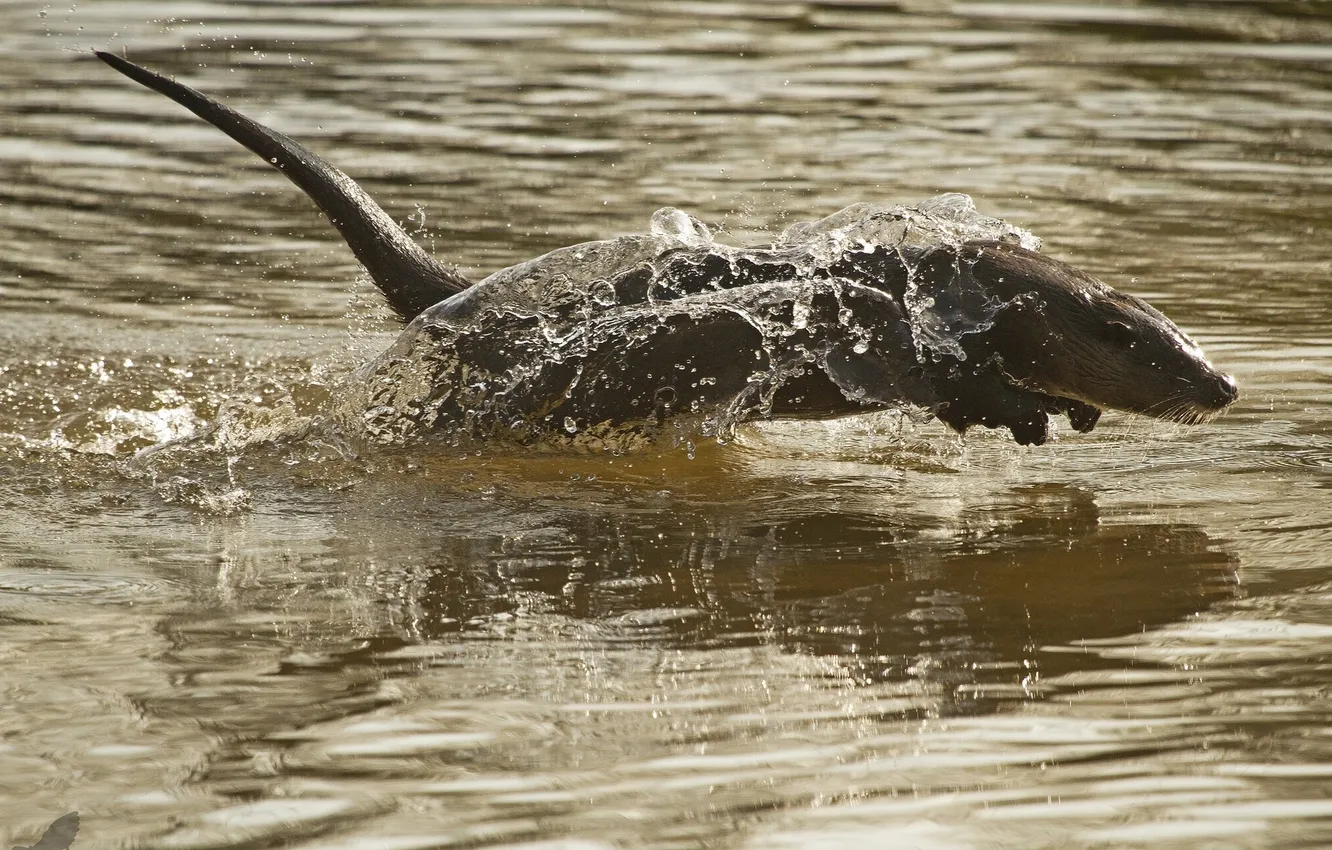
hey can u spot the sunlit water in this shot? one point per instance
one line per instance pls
(863, 633)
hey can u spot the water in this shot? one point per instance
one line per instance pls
(860, 633)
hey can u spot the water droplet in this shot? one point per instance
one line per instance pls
(799, 315)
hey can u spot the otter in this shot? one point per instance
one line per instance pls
(932, 307)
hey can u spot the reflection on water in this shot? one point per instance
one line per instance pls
(618, 647)
(858, 633)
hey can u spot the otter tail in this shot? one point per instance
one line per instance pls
(409, 277)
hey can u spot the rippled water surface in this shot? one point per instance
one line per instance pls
(865, 633)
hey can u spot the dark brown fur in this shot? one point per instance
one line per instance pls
(678, 324)
(1066, 334)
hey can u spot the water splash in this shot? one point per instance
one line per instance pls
(655, 339)
(621, 335)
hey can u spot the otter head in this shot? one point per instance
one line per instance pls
(1067, 335)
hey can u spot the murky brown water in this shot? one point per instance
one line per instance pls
(864, 633)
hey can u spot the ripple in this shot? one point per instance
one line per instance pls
(266, 821)
(1220, 641)
(657, 617)
(18, 587)
(412, 744)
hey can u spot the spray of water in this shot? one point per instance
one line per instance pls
(693, 329)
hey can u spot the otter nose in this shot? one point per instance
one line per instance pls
(1224, 391)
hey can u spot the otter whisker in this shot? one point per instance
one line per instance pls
(1183, 413)
(1163, 408)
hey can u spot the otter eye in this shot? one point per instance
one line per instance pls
(1120, 334)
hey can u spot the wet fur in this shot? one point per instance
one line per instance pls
(1062, 342)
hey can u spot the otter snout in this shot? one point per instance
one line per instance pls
(1068, 335)
(1223, 392)
(1208, 397)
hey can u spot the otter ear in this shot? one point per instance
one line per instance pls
(1119, 333)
